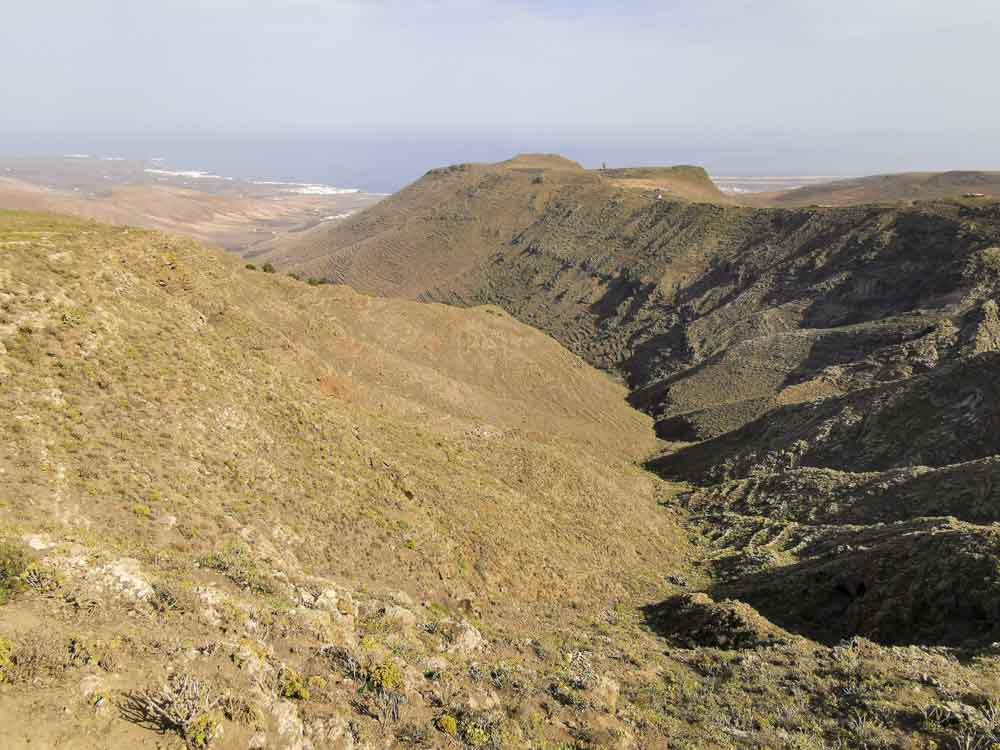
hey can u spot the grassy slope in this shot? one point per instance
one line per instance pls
(681, 298)
(248, 480)
(165, 404)
(240, 385)
(796, 338)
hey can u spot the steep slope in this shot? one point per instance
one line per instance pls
(716, 315)
(299, 394)
(949, 415)
(713, 314)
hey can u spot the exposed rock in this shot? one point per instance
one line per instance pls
(39, 542)
(290, 728)
(462, 638)
(125, 575)
(692, 620)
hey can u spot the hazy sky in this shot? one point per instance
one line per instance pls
(838, 86)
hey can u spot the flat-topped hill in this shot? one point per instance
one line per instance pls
(445, 225)
(542, 161)
(683, 182)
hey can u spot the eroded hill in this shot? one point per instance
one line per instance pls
(240, 510)
(713, 314)
(824, 377)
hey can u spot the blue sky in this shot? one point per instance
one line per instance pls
(798, 85)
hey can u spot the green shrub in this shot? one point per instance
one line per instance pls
(290, 685)
(446, 723)
(480, 728)
(413, 735)
(984, 265)
(238, 565)
(203, 730)
(386, 677)
(143, 510)
(6, 650)
(251, 267)
(14, 563)
(267, 268)
(475, 736)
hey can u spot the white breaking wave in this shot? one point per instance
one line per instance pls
(192, 174)
(77, 156)
(779, 178)
(335, 217)
(300, 188)
(308, 188)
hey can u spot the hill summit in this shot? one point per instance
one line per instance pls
(443, 227)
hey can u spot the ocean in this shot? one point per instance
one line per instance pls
(379, 164)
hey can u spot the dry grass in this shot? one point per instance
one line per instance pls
(465, 526)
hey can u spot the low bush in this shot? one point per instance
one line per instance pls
(14, 563)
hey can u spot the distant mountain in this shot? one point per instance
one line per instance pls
(890, 188)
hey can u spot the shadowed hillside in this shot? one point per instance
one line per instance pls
(713, 314)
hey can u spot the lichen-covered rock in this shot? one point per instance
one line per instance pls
(125, 576)
(462, 638)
